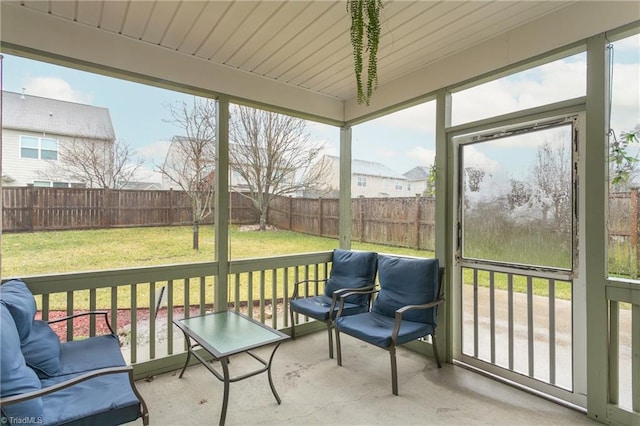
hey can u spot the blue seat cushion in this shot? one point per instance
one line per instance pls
(351, 269)
(79, 356)
(18, 298)
(407, 281)
(104, 400)
(41, 349)
(15, 376)
(318, 307)
(377, 329)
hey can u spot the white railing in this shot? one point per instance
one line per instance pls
(518, 325)
(624, 351)
(142, 302)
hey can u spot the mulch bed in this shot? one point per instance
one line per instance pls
(81, 324)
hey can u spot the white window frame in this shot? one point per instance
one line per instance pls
(40, 148)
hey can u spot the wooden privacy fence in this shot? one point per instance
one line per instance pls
(402, 222)
(43, 209)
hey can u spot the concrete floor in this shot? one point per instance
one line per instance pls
(315, 391)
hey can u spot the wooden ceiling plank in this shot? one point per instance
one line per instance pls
(161, 16)
(89, 12)
(63, 8)
(289, 31)
(265, 36)
(247, 32)
(113, 15)
(182, 24)
(304, 46)
(202, 27)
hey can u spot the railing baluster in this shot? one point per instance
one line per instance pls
(530, 334)
(170, 317)
(114, 308)
(236, 302)
(134, 325)
(475, 313)
(92, 307)
(285, 297)
(187, 301)
(152, 320)
(274, 298)
(492, 315)
(69, 313)
(45, 307)
(262, 295)
(552, 331)
(510, 314)
(635, 358)
(250, 296)
(203, 295)
(614, 347)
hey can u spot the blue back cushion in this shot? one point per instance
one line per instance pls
(351, 269)
(41, 349)
(407, 281)
(18, 298)
(15, 377)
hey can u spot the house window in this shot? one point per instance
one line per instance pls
(28, 147)
(362, 181)
(398, 185)
(49, 184)
(38, 148)
(409, 187)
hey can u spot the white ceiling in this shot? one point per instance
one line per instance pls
(295, 54)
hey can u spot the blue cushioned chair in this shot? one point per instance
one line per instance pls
(350, 270)
(404, 309)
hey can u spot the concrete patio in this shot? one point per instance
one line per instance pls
(315, 391)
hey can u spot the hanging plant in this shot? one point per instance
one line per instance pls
(365, 14)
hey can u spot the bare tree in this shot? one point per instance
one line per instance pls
(475, 176)
(552, 183)
(272, 153)
(94, 163)
(190, 162)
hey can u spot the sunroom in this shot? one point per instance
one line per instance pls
(575, 342)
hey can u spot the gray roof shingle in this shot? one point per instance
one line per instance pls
(52, 116)
(370, 168)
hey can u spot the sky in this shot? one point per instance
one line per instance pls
(401, 141)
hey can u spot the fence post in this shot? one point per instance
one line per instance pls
(417, 201)
(30, 202)
(290, 213)
(634, 216)
(171, 207)
(361, 214)
(106, 207)
(320, 216)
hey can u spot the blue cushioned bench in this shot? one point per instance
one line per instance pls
(45, 382)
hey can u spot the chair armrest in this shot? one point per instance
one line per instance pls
(400, 312)
(128, 369)
(370, 290)
(14, 399)
(297, 284)
(81, 314)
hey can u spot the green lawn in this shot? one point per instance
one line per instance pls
(42, 253)
(38, 253)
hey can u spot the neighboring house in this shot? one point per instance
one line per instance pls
(368, 179)
(175, 163)
(145, 179)
(34, 133)
(418, 179)
(178, 167)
